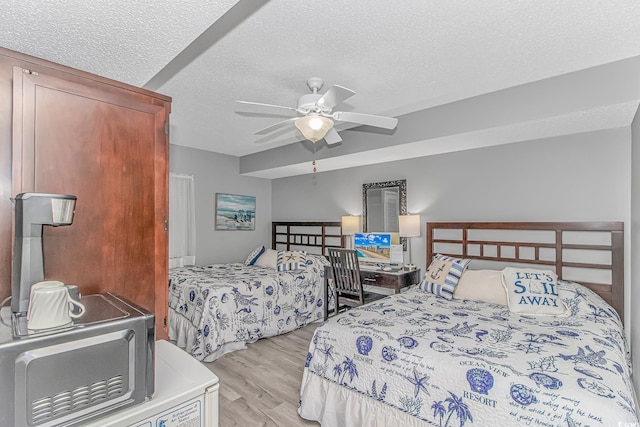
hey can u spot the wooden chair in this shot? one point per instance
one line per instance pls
(348, 290)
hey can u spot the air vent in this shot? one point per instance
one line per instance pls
(66, 402)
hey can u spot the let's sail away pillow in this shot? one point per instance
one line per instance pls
(532, 291)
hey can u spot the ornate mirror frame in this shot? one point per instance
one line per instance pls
(402, 191)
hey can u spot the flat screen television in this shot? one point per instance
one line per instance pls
(373, 247)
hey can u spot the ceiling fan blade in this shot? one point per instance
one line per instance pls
(277, 109)
(332, 137)
(334, 96)
(275, 126)
(366, 119)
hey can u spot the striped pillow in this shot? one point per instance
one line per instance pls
(291, 260)
(443, 274)
(254, 255)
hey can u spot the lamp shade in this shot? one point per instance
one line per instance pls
(350, 225)
(314, 127)
(409, 225)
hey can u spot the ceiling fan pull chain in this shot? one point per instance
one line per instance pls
(314, 159)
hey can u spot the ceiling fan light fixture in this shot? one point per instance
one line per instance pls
(314, 127)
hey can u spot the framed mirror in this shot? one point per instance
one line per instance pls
(382, 203)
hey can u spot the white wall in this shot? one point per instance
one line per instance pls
(218, 173)
(581, 177)
(635, 246)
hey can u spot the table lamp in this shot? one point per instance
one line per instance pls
(350, 226)
(409, 227)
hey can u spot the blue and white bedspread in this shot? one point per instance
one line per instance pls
(221, 307)
(455, 363)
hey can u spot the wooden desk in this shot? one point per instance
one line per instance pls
(395, 279)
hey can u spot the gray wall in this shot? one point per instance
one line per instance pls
(581, 177)
(635, 245)
(218, 173)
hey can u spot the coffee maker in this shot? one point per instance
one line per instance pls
(32, 212)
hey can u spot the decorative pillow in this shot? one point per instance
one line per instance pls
(443, 274)
(269, 258)
(291, 260)
(531, 291)
(481, 285)
(254, 255)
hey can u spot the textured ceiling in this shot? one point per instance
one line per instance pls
(399, 57)
(126, 40)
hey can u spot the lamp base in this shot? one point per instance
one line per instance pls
(410, 267)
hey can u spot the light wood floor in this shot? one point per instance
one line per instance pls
(260, 386)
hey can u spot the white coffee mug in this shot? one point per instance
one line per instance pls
(51, 306)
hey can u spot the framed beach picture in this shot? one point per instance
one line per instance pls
(235, 212)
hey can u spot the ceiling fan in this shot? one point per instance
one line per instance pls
(316, 116)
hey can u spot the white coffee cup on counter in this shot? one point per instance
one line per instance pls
(51, 306)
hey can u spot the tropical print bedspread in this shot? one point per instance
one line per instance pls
(455, 363)
(228, 303)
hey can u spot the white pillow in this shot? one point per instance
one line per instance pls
(268, 259)
(531, 291)
(481, 285)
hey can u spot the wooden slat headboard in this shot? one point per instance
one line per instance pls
(314, 237)
(568, 248)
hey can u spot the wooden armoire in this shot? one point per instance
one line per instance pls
(70, 132)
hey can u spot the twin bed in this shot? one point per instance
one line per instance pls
(417, 359)
(219, 308)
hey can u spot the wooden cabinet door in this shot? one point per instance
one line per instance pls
(110, 150)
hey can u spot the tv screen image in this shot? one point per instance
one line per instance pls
(373, 247)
